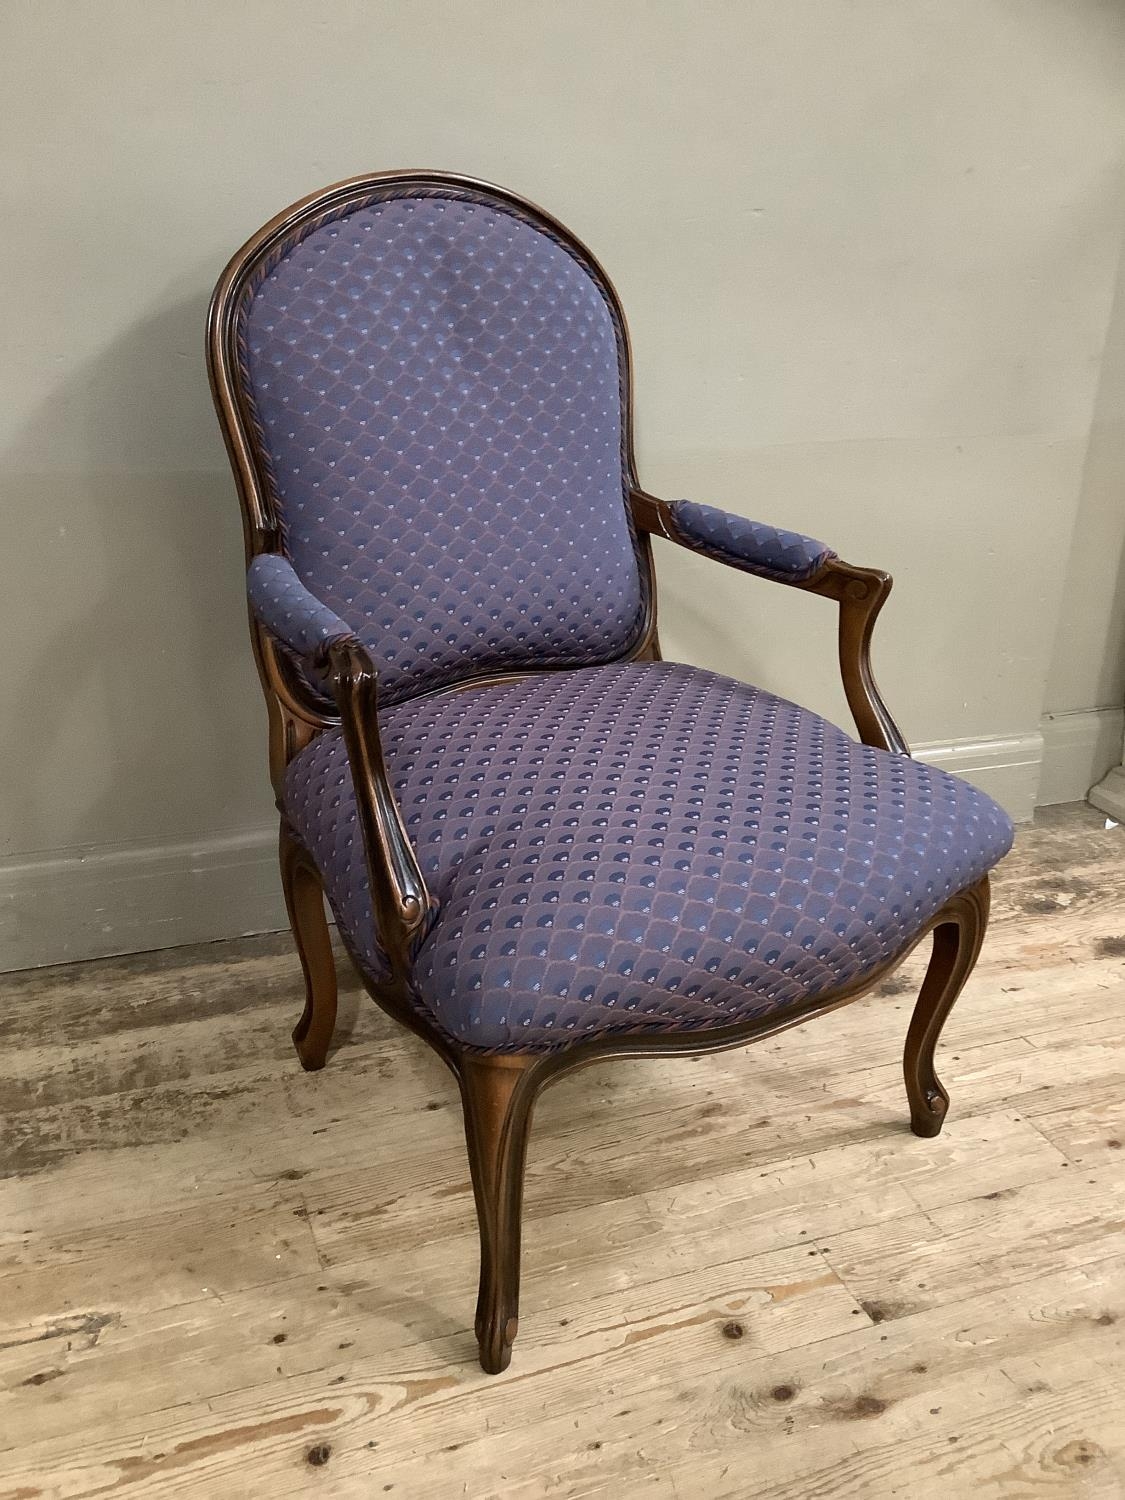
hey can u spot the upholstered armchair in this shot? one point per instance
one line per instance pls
(542, 844)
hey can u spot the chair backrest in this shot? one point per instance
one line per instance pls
(434, 380)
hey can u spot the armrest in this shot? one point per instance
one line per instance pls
(790, 558)
(404, 908)
(767, 551)
(289, 611)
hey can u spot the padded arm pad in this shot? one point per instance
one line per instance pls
(784, 556)
(287, 609)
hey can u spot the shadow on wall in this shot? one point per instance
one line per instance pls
(1088, 669)
(138, 716)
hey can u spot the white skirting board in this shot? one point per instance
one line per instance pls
(96, 902)
(1070, 753)
(1007, 768)
(1078, 750)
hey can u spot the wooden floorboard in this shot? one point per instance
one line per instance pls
(221, 1277)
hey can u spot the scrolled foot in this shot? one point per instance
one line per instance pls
(927, 1115)
(495, 1335)
(311, 1049)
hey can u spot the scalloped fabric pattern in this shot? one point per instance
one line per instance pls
(753, 546)
(642, 847)
(438, 387)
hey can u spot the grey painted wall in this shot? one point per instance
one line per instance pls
(1085, 687)
(868, 249)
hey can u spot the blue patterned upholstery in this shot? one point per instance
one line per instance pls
(641, 848)
(786, 556)
(288, 611)
(436, 381)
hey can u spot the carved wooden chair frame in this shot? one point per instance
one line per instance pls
(498, 1091)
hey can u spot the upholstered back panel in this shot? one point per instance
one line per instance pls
(436, 381)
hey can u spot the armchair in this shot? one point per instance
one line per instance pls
(543, 845)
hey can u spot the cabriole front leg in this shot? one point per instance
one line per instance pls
(957, 942)
(304, 901)
(498, 1093)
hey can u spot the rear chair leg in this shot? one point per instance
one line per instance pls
(304, 901)
(957, 941)
(498, 1094)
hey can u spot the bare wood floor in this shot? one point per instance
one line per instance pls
(743, 1276)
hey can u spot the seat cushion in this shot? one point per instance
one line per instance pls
(643, 847)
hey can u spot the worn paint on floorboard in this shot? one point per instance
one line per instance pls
(222, 1277)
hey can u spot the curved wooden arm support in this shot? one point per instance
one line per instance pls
(398, 891)
(860, 593)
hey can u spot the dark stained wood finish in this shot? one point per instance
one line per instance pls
(957, 942)
(304, 901)
(398, 890)
(498, 1092)
(861, 594)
